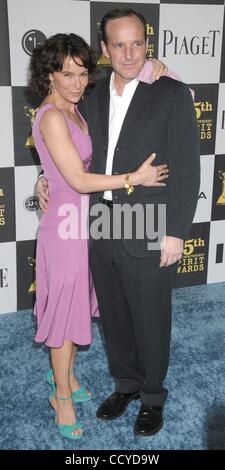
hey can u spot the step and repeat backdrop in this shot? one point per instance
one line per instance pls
(189, 37)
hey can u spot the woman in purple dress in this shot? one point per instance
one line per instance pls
(60, 70)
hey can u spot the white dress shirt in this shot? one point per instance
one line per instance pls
(117, 112)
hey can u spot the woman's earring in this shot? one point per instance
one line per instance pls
(51, 87)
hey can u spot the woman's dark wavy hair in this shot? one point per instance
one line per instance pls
(48, 57)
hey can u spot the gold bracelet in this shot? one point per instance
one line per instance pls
(129, 188)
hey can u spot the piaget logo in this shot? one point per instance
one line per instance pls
(192, 261)
(205, 125)
(191, 45)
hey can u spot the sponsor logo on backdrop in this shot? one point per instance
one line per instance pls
(223, 120)
(218, 199)
(2, 214)
(30, 113)
(2, 209)
(31, 39)
(206, 105)
(31, 203)
(4, 277)
(193, 266)
(192, 260)
(7, 205)
(204, 124)
(26, 285)
(221, 199)
(102, 60)
(202, 195)
(24, 109)
(194, 45)
(32, 263)
(151, 46)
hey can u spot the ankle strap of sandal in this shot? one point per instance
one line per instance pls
(63, 398)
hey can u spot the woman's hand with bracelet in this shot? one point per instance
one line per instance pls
(152, 175)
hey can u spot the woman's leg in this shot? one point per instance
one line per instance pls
(74, 384)
(61, 360)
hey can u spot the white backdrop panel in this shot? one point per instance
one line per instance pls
(27, 219)
(49, 17)
(220, 130)
(6, 126)
(204, 206)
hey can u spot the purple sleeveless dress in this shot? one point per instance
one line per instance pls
(65, 297)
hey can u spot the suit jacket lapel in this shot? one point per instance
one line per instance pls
(103, 111)
(133, 114)
(134, 111)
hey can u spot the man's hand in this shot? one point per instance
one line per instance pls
(158, 69)
(171, 251)
(42, 193)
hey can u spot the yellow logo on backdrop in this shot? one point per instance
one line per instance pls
(103, 60)
(202, 107)
(1, 192)
(205, 125)
(221, 199)
(191, 261)
(32, 263)
(30, 113)
(2, 214)
(151, 47)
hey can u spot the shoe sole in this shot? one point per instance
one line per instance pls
(134, 397)
(151, 433)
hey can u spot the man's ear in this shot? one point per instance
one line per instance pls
(104, 49)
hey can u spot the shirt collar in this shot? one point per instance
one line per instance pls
(128, 87)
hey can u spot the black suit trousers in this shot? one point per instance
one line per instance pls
(134, 297)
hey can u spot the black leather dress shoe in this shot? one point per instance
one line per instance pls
(115, 405)
(149, 420)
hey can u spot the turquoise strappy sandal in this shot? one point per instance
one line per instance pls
(65, 429)
(79, 396)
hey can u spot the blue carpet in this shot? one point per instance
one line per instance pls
(195, 410)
